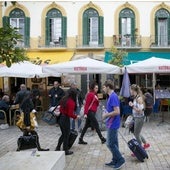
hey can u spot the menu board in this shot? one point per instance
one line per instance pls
(162, 94)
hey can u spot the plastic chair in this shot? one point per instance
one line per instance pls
(4, 115)
(164, 103)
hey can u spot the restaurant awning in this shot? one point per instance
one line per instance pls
(53, 57)
(133, 57)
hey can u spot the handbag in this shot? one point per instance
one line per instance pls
(27, 142)
(33, 120)
(55, 110)
(50, 116)
(128, 121)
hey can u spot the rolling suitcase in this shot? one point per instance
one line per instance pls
(136, 148)
(72, 138)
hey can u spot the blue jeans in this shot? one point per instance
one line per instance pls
(112, 144)
(79, 120)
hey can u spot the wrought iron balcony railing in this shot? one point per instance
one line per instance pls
(89, 42)
(127, 41)
(44, 42)
(161, 41)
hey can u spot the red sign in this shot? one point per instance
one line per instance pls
(164, 67)
(80, 68)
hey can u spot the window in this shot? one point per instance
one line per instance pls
(55, 28)
(92, 28)
(127, 27)
(18, 20)
(162, 30)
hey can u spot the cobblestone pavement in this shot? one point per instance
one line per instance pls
(94, 155)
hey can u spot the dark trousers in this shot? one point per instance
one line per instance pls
(91, 121)
(64, 123)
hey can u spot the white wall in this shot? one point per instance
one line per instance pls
(72, 9)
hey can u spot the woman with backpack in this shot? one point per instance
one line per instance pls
(138, 106)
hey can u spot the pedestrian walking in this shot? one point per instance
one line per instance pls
(138, 107)
(67, 110)
(79, 104)
(90, 108)
(112, 116)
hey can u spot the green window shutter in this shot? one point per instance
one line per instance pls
(64, 30)
(27, 32)
(120, 25)
(5, 21)
(168, 31)
(85, 30)
(101, 30)
(133, 31)
(156, 30)
(47, 31)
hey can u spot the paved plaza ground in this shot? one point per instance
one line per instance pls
(94, 155)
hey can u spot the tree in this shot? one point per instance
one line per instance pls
(9, 52)
(117, 56)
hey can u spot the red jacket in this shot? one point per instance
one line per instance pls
(91, 97)
(69, 109)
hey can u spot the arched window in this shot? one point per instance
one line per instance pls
(92, 27)
(162, 27)
(56, 28)
(18, 20)
(127, 26)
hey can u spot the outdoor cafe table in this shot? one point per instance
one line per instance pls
(12, 108)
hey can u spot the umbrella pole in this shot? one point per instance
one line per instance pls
(153, 83)
(88, 80)
(146, 80)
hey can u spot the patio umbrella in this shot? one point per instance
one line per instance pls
(125, 88)
(24, 69)
(82, 66)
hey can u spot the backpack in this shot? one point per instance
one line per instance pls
(149, 101)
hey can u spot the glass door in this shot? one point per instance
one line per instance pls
(162, 32)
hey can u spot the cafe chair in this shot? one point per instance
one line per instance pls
(164, 105)
(3, 116)
(16, 113)
(39, 110)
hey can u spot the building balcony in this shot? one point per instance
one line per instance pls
(23, 43)
(89, 43)
(160, 42)
(48, 43)
(127, 41)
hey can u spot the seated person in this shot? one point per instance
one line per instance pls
(5, 105)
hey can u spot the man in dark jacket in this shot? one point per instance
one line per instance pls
(55, 94)
(5, 105)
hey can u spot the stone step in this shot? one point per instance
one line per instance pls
(34, 160)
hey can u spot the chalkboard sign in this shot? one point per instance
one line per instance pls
(162, 94)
